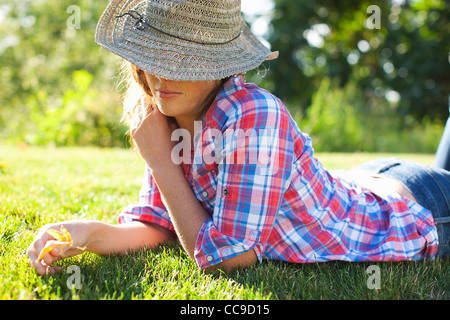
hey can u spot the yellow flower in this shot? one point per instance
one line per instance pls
(62, 239)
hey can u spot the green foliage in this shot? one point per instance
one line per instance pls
(333, 119)
(342, 119)
(406, 56)
(80, 117)
(58, 85)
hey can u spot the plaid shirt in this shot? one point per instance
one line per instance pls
(271, 195)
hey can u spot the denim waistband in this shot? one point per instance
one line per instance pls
(429, 185)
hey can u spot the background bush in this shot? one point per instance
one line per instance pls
(380, 90)
(404, 57)
(58, 86)
(342, 119)
(64, 123)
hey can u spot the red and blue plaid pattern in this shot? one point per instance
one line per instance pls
(254, 171)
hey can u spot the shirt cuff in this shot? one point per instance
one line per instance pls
(144, 213)
(213, 247)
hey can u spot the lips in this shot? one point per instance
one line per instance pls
(167, 94)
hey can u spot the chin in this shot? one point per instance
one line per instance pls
(167, 111)
(171, 111)
(170, 114)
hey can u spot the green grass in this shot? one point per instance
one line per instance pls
(40, 185)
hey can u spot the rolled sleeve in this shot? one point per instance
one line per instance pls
(150, 208)
(249, 193)
(214, 247)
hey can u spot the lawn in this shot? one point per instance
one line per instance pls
(42, 185)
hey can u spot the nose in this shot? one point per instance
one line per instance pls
(163, 80)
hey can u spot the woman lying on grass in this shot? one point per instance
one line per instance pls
(229, 174)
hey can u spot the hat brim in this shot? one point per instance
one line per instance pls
(173, 58)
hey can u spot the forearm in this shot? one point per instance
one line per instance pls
(105, 239)
(153, 138)
(186, 213)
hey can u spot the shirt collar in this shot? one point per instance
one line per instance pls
(230, 87)
(233, 85)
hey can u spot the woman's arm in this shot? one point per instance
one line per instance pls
(97, 237)
(108, 238)
(186, 213)
(153, 140)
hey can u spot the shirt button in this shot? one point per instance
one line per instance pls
(205, 194)
(209, 258)
(226, 192)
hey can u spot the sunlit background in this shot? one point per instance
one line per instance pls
(377, 90)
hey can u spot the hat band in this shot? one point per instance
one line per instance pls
(141, 23)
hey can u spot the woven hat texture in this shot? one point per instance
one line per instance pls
(183, 40)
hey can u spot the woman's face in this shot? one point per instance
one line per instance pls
(180, 98)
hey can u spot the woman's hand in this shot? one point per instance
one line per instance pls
(79, 234)
(97, 237)
(152, 135)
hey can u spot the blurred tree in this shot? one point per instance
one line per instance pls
(43, 44)
(405, 61)
(56, 78)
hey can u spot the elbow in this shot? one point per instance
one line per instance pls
(229, 266)
(241, 261)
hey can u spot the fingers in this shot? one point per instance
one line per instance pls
(53, 249)
(146, 107)
(141, 116)
(32, 257)
(42, 266)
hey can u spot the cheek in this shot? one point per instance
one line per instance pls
(150, 83)
(203, 91)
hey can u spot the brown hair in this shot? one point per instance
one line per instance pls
(137, 90)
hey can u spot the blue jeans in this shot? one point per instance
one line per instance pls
(430, 186)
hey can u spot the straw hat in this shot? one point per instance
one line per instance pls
(185, 40)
